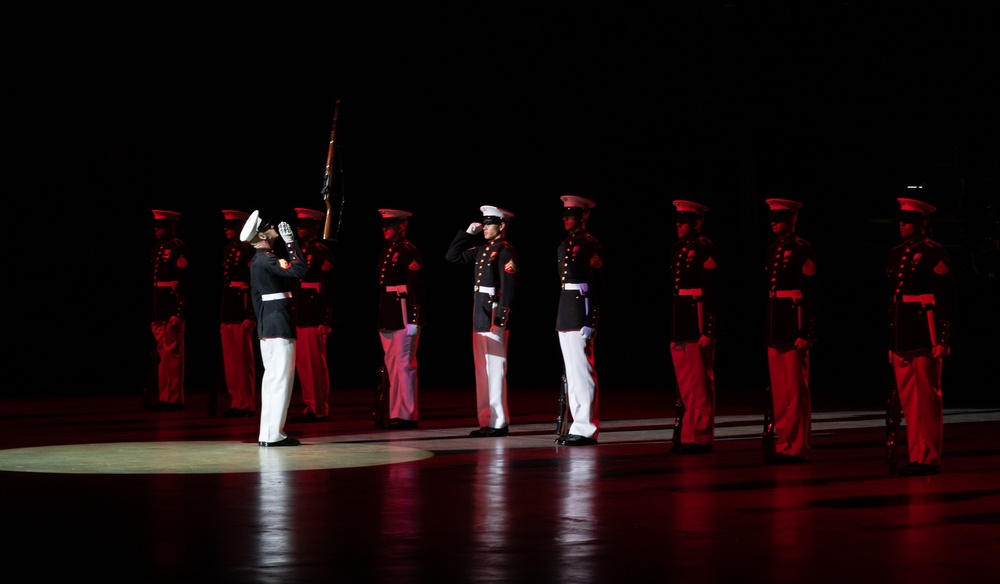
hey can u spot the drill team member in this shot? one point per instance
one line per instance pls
(494, 291)
(314, 317)
(400, 317)
(694, 264)
(236, 319)
(580, 261)
(789, 332)
(170, 275)
(272, 280)
(922, 300)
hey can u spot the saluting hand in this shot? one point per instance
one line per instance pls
(285, 230)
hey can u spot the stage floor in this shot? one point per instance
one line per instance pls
(96, 487)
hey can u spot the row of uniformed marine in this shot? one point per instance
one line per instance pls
(921, 305)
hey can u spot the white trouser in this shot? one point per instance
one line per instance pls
(401, 364)
(278, 356)
(312, 368)
(169, 335)
(918, 377)
(581, 383)
(789, 371)
(694, 368)
(489, 350)
(238, 363)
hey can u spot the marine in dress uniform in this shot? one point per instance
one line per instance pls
(314, 306)
(922, 302)
(169, 259)
(236, 319)
(694, 264)
(400, 317)
(272, 282)
(580, 261)
(494, 292)
(790, 329)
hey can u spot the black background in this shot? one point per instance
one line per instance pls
(447, 109)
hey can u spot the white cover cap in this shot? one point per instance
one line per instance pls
(491, 211)
(690, 207)
(250, 227)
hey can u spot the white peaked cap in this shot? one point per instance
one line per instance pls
(250, 227)
(491, 211)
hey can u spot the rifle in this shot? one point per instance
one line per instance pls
(893, 415)
(562, 417)
(328, 229)
(767, 437)
(380, 410)
(678, 418)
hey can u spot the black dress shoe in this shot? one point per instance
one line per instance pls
(783, 459)
(288, 441)
(691, 448)
(168, 407)
(576, 440)
(487, 432)
(399, 424)
(238, 413)
(916, 469)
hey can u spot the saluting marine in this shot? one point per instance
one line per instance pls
(272, 282)
(400, 317)
(236, 319)
(694, 265)
(170, 274)
(494, 291)
(789, 332)
(922, 299)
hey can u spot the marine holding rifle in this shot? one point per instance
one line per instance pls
(580, 264)
(694, 265)
(922, 299)
(400, 317)
(789, 329)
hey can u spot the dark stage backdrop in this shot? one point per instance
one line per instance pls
(441, 112)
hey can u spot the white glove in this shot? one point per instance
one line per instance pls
(411, 330)
(474, 228)
(285, 230)
(587, 332)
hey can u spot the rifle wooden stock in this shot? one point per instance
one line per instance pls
(380, 408)
(328, 227)
(767, 437)
(678, 417)
(562, 418)
(893, 416)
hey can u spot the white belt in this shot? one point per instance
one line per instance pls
(793, 294)
(312, 285)
(275, 296)
(689, 292)
(170, 284)
(240, 285)
(491, 290)
(401, 289)
(582, 287)
(925, 299)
